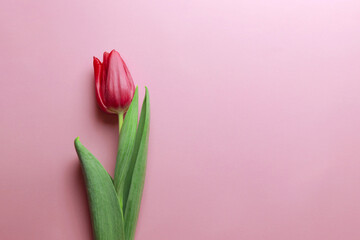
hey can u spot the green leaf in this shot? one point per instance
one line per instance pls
(138, 176)
(124, 166)
(106, 214)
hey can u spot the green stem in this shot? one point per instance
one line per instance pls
(121, 120)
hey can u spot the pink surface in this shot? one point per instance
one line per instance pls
(255, 127)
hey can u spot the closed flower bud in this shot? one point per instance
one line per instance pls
(113, 82)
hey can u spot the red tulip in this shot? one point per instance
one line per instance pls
(114, 85)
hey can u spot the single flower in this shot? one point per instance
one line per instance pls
(113, 82)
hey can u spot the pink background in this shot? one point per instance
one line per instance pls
(255, 127)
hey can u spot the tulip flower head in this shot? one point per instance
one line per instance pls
(113, 82)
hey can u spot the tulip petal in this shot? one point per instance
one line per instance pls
(104, 75)
(98, 68)
(106, 59)
(128, 88)
(114, 78)
(119, 87)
